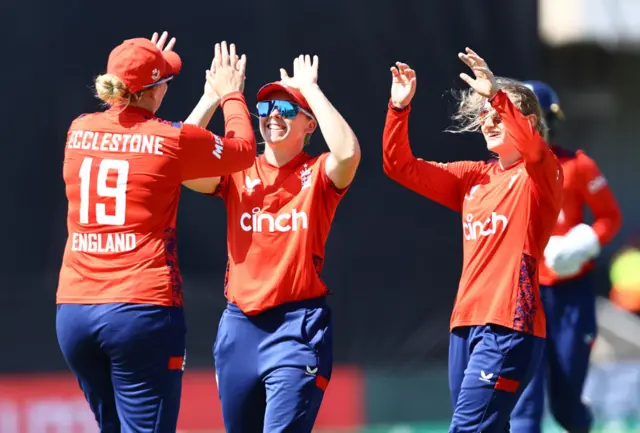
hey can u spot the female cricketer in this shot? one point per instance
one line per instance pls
(508, 211)
(120, 322)
(273, 351)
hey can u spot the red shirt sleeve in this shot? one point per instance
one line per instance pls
(599, 198)
(541, 164)
(204, 154)
(328, 186)
(440, 182)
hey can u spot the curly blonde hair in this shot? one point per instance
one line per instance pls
(112, 91)
(470, 104)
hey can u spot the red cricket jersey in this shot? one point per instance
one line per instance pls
(507, 218)
(278, 220)
(584, 184)
(123, 170)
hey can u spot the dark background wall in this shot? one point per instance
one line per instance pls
(393, 258)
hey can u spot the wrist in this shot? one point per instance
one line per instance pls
(397, 106)
(234, 94)
(309, 88)
(210, 100)
(493, 95)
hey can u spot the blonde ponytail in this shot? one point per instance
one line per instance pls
(111, 90)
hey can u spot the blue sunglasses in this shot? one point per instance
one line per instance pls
(287, 109)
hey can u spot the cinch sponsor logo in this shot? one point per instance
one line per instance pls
(264, 222)
(474, 229)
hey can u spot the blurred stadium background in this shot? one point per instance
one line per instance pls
(393, 258)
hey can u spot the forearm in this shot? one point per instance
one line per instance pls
(525, 137)
(337, 133)
(239, 137)
(429, 179)
(203, 111)
(607, 218)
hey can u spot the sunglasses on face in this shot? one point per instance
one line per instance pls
(286, 109)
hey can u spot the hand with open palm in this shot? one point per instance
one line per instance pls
(403, 84)
(484, 82)
(227, 72)
(305, 73)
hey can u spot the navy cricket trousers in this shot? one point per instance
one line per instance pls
(272, 368)
(570, 308)
(128, 360)
(489, 366)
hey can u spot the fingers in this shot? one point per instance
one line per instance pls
(233, 58)
(170, 45)
(217, 56)
(283, 75)
(470, 51)
(467, 79)
(402, 67)
(403, 73)
(296, 66)
(316, 63)
(241, 65)
(154, 37)
(482, 71)
(472, 60)
(224, 50)
(162, 40)
(215, 59)
(465, 58)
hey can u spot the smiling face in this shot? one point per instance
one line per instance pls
(492, 128)
(278, 131)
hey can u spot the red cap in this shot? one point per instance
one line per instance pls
(140, 64)
(265, 92)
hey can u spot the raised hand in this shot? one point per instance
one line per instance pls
(227, 72)
(305, 72)
(403, 84)
(484, 82)
(161, 40)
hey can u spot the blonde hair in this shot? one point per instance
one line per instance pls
(470, 104)
(112, 91)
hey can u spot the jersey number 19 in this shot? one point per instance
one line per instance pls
(119, 192)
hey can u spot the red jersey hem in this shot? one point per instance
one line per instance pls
(123, 300)
(460, 323)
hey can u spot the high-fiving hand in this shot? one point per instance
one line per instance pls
(403, 84)
(484, 82)
(227, 72)
(305, 72)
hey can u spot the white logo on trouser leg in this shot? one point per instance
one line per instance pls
(486, 377)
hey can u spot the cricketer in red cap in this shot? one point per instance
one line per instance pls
(140, 64)
(268, 90)
(120, 322)
(279, 214)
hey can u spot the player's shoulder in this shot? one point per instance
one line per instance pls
(582, 158)
(315, 160)
(246, 176)
(85, 120)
